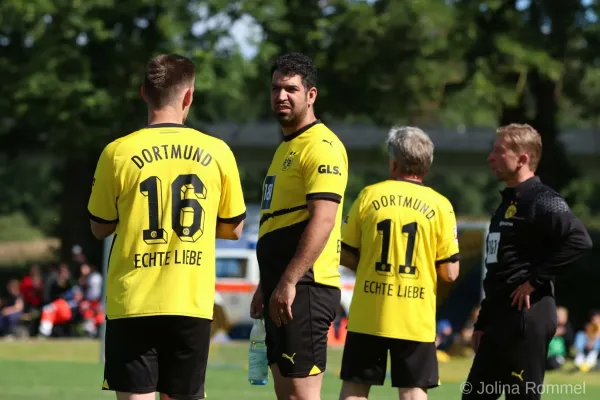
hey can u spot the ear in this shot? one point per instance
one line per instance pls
(143, 94)
(312, 96)
(188, 97)
(523, 160)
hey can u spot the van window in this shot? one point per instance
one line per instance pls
(231, 267)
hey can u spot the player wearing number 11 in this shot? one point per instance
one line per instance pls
(398, 236)
(166, 191)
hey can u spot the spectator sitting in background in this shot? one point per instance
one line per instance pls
(61, 284)
(91, 310)
(443, 340)
(462, 341)
(77, 257)
(564, 328)
(557, 351)
(32, 288)
(587, 345)
(61, 311)
(11, 308)
(90, 281)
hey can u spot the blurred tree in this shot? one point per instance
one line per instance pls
(71, 72)
(527, 56)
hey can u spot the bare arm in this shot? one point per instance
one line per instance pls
(18, 307)
(313, 239)
(449, 271)
(230, 231)
(101, 231)
(349, 258)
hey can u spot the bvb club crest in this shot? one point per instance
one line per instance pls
(287, 163)
(510, 211)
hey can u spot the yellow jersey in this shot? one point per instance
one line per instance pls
(308, 165)
(165, 186)
(401, 230)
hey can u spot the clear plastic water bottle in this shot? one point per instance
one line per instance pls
(258, 366)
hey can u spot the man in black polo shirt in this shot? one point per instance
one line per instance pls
(533, 235)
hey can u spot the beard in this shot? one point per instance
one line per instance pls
(292, 117)
(285, 120)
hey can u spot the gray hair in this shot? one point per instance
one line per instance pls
(412, 149)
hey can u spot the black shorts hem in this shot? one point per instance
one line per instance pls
(412, 385)
(184, 396)
(355, 379)
(136, 390)
(299, 374)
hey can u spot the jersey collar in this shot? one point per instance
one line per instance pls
(410, 181)
(521, 188)
(287, 138)
(166, 125)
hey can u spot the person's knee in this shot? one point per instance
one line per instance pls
(354, 391)
(412, 393)
(306, 388)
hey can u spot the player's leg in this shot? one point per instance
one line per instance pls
(303, 388)
(300, 351)
(182, 357)
(132, 396)
(414, 368)
(484, 377)
(131, 363)
(364, 364)
(527, 357)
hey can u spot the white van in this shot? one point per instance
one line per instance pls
(237, 279)
(238, 276)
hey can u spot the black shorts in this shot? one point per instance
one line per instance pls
(414, 364)
(299, 348)
(513, 353)
(166, 354)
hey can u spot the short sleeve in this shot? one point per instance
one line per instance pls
(102, 205)
(325, 167)
(232, 208)
(351, 227)
(447, 249)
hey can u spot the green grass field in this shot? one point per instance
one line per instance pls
(69, 370)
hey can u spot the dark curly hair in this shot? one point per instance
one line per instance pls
(297, 64)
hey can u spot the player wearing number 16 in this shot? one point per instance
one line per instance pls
(167, 192)
(398, 237)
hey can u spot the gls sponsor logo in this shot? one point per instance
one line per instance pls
(329, 169)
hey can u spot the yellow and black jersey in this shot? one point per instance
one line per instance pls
(308, 165)
(401, 230)
(165, 186)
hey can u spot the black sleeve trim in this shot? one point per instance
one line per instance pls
(100, 220)
(325, 196)
(351, 249)
(454, 258)
(233, 220)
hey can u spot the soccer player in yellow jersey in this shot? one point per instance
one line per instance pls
(399, 237)
(298, 248)
(167, 192)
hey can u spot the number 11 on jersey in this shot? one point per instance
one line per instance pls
(383, 267)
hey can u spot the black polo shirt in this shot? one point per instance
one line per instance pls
(533, 235)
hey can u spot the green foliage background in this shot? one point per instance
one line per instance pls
(70, 72)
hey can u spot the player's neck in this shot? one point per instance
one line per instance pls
(290, 130)
(412, 178)
(519, 178)
(164, 116)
